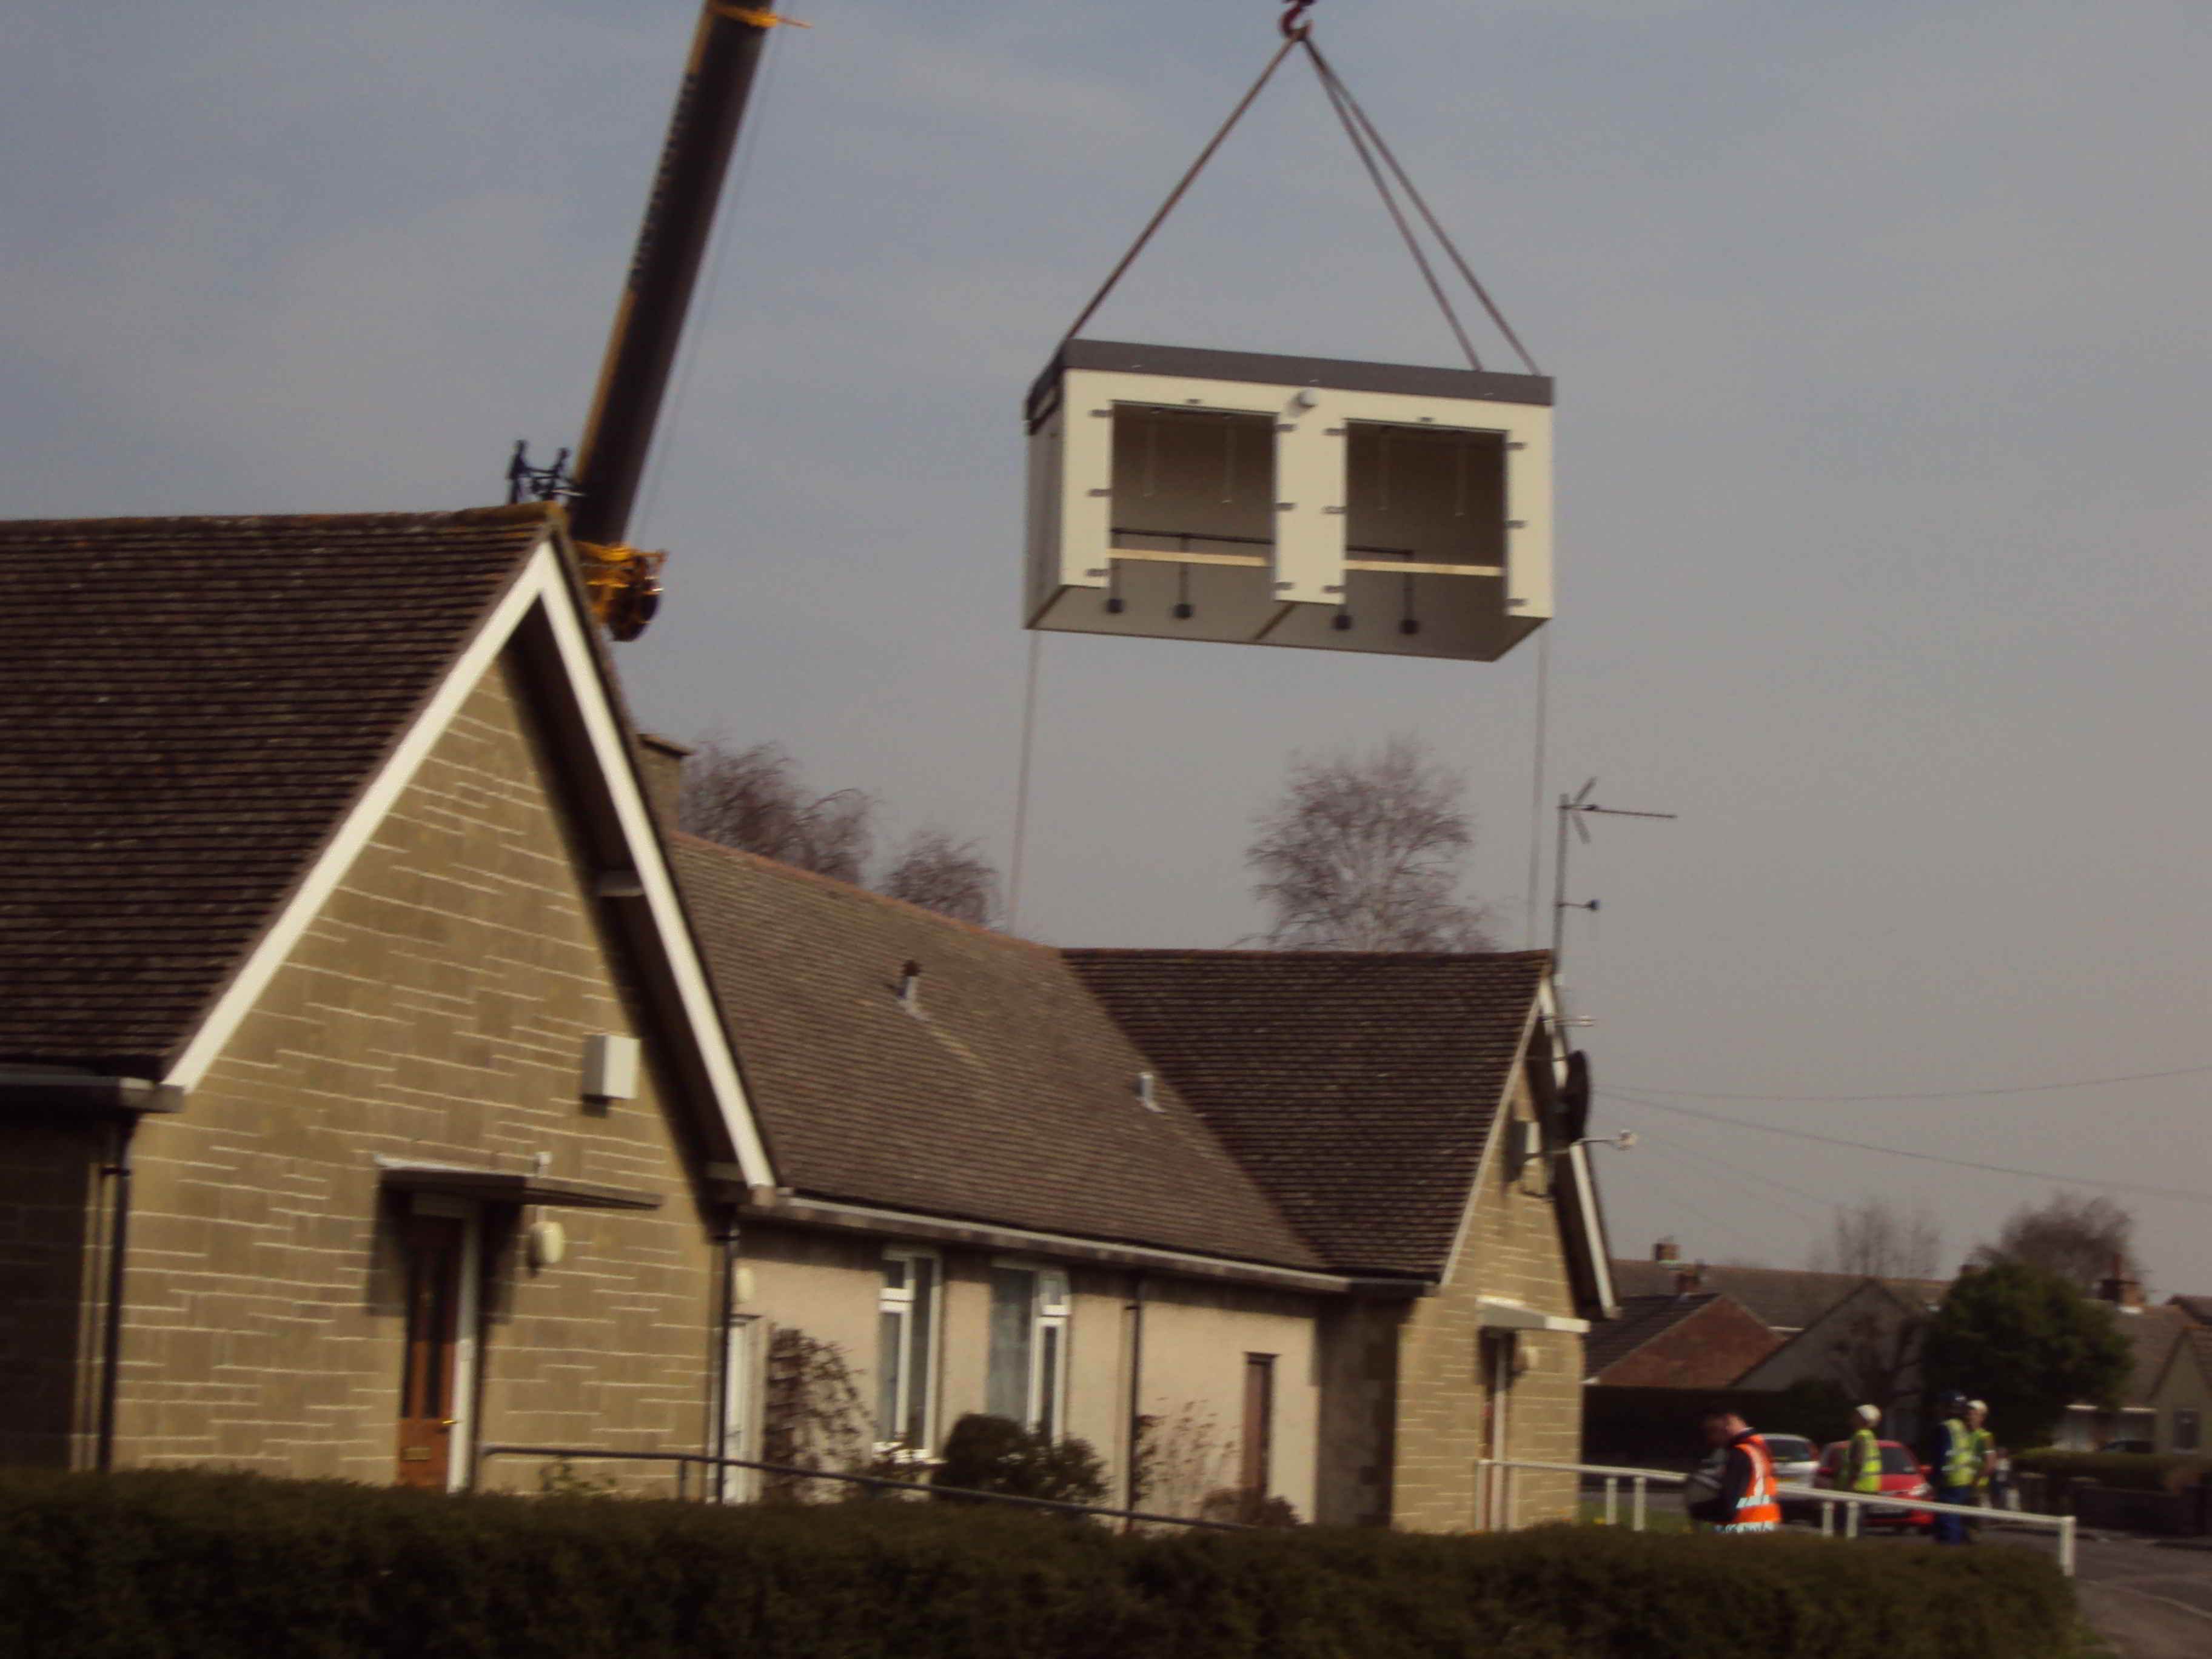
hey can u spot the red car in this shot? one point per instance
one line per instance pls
(1901, 1473)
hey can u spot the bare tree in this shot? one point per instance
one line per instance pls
(1876, 1356)
(1362, 852)
(755, 799)
(939, 874)
(1875, 1236)
(2083, 1239)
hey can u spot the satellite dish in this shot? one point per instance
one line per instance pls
(1575, 1096)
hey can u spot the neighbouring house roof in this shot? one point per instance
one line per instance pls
(192, 704)
(2198, 1307)
(1702, 1340)
(1357, 1088)
(1005, 1095)
(2153, 1335)
(1785, 1299)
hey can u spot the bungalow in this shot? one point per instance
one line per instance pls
(382, 1082)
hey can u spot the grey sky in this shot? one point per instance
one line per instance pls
(1881, 345)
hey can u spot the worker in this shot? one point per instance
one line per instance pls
(1985, 1457)
(1747, 1501)
(1862, 1470)
(1948, 1451)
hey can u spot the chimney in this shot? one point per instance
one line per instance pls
(1666, 1250)
(2123, 1292)
(660, 768)
(1688, 1276)
(910, 987)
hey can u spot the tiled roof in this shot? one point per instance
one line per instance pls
(2198, 1307)
(1009, 1098)
(2151, 1333)
(1359, 1089)
(191, 705)
(1642, 1318)
(1782, 1298)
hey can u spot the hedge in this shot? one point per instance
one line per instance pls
(183, 1565)
(2128, 1471)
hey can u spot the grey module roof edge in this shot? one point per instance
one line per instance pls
(1345, 375)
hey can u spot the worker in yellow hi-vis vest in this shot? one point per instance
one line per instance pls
(1862, 1470)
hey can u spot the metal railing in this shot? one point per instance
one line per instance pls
(710, 1490)
(1496, 1488)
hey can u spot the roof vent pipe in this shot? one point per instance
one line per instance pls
(1144, 1093)
(909, 991)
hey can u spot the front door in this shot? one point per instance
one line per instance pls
(428, 1404)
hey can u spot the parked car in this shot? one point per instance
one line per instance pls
(1902, 1474)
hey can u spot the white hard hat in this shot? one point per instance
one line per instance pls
(1982, 1406)
(1868, 1413)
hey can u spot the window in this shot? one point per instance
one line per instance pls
(1258, 1444)
(902, 1370)
(2185, 1429)
(1028, 1347)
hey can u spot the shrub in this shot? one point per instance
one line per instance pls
(1246, 1507)
(179, 1566)
(996, 1454)
(2128, 1471)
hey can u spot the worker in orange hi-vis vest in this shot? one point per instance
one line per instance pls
(1747, 1501)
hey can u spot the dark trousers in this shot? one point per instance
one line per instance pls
(1952, 1528)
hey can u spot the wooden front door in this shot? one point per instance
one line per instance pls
(436, 1245)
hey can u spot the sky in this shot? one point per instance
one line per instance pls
(1881, 346)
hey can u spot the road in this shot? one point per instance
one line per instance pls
(2149, 1600)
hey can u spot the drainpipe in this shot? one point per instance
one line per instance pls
(726, 1323)
(1136, 1389)
(118, 1242)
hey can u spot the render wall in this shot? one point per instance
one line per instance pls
(825, 1287)
(435, 1009)
(1512, 1250)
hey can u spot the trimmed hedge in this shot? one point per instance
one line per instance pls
(2128, 1471)
(184, 1566)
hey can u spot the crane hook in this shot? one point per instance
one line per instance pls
(1293, 29)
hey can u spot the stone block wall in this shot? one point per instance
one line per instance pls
(1512, 1250)
(435, 1009)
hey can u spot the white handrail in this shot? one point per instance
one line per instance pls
(1497, 1489)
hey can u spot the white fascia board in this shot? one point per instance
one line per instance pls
(542, 583)
(1018, 1241)
(1592, 1221)
(702, 1015)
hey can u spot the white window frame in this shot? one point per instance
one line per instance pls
(900, 1301)
(1051, 1317)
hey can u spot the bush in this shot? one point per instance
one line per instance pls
(2128, 1471)
(996, 1454)
(179, 1566)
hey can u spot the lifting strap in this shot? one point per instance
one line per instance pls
(1376, 157)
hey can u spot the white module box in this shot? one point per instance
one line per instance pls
(1180, 493)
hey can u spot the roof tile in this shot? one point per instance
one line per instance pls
(193, 703)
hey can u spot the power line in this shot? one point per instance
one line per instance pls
(1713, 1221)
(1936, 1094)
(2179, 1195)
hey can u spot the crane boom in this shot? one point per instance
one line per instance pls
(649, 325)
